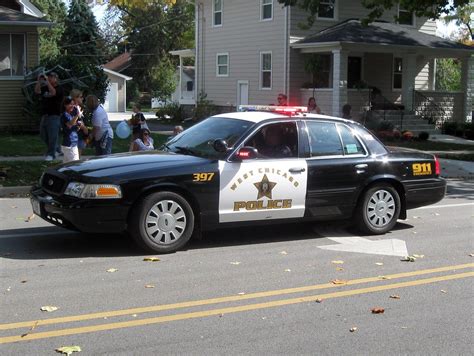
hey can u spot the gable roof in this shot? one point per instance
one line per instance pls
(16, 18)
(380, 33)
(120, 62)
(106, 70)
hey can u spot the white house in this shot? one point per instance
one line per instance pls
(248, 51)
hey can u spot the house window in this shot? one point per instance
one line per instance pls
(266, 11)
(354, 72)
(405, 17)
(397, 72)
(319, 67)
(217, 13)
(327, 9)
(222, 64)
(266, 70)
(12, 55)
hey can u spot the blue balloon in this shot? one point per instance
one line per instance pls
(123, 130)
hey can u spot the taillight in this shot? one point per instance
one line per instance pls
(437, 166)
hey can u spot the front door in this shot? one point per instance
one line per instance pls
(242, 92)
(271, 186)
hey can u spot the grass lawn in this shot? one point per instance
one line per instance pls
(17, 173)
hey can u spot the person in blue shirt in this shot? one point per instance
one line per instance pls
(71, 124)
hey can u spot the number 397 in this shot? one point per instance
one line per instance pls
(203, 177)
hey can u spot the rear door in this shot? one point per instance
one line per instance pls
(338, 165)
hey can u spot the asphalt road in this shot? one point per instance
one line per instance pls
(268, 290)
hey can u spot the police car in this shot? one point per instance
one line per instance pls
(262, 164)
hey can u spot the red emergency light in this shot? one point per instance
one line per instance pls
(285, 110)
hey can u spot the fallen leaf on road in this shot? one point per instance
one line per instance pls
(408, 259)
(416, 217)
(29, 218)
(112, 270)
(9, 289)
(338, 281)
(443, 291)
(353, 329)
(283, 253)
(418, 256)
(235, 263)
(404, 327)
(337, 262)
(149, 286)
(49, 308)
(151, 259)
(68, 350)
(287, 270)
(471, 254)
(378, 310)
(384, 277)
(436, 214)
(339, 269)
(318, 300)
(241, 293)
(379, 263)
(134, 315)
(13, 207)
(394, 296)
(24, 281)
(414, 232)
(31, 329)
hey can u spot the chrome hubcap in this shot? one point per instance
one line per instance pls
(381, 208)
(165, 222)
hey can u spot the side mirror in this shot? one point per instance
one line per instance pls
(246, 152)
(220, 145)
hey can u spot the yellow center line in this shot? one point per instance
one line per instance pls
(228, 310)
(272, 293)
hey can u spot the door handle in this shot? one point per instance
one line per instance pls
(361, 166)
(297, 170)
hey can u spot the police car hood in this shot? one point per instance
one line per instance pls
(129, 163)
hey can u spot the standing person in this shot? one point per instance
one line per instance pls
(312, 107)
(144, 141)
(137, 122)
(70, 124)
(51, 98)
(282, 99)
(76, 95)
(102, 132)
(346, 112)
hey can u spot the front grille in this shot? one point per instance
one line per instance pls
(53, 184)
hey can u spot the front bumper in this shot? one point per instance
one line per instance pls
(94, 216)
(420, 193)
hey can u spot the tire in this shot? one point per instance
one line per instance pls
(378, 209)
(162, 222)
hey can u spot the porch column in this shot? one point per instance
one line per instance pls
(408, 80)
(339, 81)
(467, 85)
(180, 78)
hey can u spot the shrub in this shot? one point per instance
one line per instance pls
(204, 108)
(449, 127)
(407, 135)
(173, 111)
(385, 126)
(423, 136)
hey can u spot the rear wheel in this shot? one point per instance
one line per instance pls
(162, 222)
(378, 209)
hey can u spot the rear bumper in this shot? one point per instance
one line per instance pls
(424, 192)
(84, 215)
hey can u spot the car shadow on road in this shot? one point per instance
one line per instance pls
(55, 243)
(460, 189)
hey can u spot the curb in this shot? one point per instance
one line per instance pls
(15, 192)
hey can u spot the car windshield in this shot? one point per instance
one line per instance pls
(198, 140)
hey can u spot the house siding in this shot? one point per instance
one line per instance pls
(120, 92)
(11, 98)
(243, 36)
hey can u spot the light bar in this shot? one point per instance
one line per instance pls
(287, 110)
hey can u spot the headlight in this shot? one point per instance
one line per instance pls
(93, 191)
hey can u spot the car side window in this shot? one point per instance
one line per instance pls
(350, 142)
(324, 139)
(278, 140)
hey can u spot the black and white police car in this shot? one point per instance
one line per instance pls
(241, 168)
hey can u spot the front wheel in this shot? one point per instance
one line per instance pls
(162, 222)
(378, 209)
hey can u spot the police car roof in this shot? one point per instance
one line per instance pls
(258, 116)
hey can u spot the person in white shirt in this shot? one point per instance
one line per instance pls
(144, 142)
(101, 130)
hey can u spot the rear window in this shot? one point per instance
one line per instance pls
(350, 142)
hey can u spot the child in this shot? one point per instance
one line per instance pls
(70, 126)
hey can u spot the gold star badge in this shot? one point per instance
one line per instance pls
(264, 187)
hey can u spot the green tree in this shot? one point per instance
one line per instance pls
(463, 16)
(50, 38)
(163, 79)
(81, 37)
(428, 8)
(448, 74)
(154, 29)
